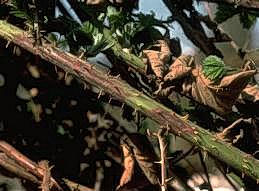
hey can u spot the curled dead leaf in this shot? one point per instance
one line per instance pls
(165, 52)
(221, 97)
(144, 154)
(156, 64)
(181, 67)
(158, 56)
(128, 166)
(250, 93)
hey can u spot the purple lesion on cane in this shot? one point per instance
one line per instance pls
(176, 125)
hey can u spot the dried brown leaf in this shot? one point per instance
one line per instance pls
(145, 156)
(156, 64)
(165, 52)
(165, 91)
(158, 56)
(220, 97)
(250, 93)
(180, 68)
(128, 166)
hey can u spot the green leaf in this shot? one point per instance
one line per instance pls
(100, 44)
(225, 12)
(247, 19)
(147, 20)
(89, 29)
(19, 14)
(99, 41)
(214, 68)
(116, 18)
(101, 17)
(61, 130)
(98, 38)
(129, 31)
(20, 10)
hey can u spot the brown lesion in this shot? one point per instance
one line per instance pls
(176, 124)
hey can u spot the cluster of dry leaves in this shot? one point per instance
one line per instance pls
(186, 76)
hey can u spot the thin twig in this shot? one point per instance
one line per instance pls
(99, 176)
(184, 155)
(222, 135)
(125, 93)
(14, 168)
(250, 4)
(225, 175)
(25, 162)
(205, 170)
(163, 154)
(75, 186)
(46, 182)
(195, 170)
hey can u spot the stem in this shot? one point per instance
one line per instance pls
(205, 170)
(251, 4)
(138, 64)
(125, 93)
(162, 146)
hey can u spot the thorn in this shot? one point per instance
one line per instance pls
(54, 44)
(175, 137)
(65, 78)
(159, 183)
(81, 55)
(158, 162)
(116, 77)
(85, 86)
(108, 75)
(49, 49)
(110, 100)
(7, 44)
(243, 175)
(205, 154)
(163, 187)
(100, 93)
(167, 127)
(149, 133)
(185, 118)
(169, 158)
(137, 94)
(169, 179)
(122, 106)
(51, 167)
(56, 69)
(135, 111)
(165, 130)
(166, 145)
(14, 49)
